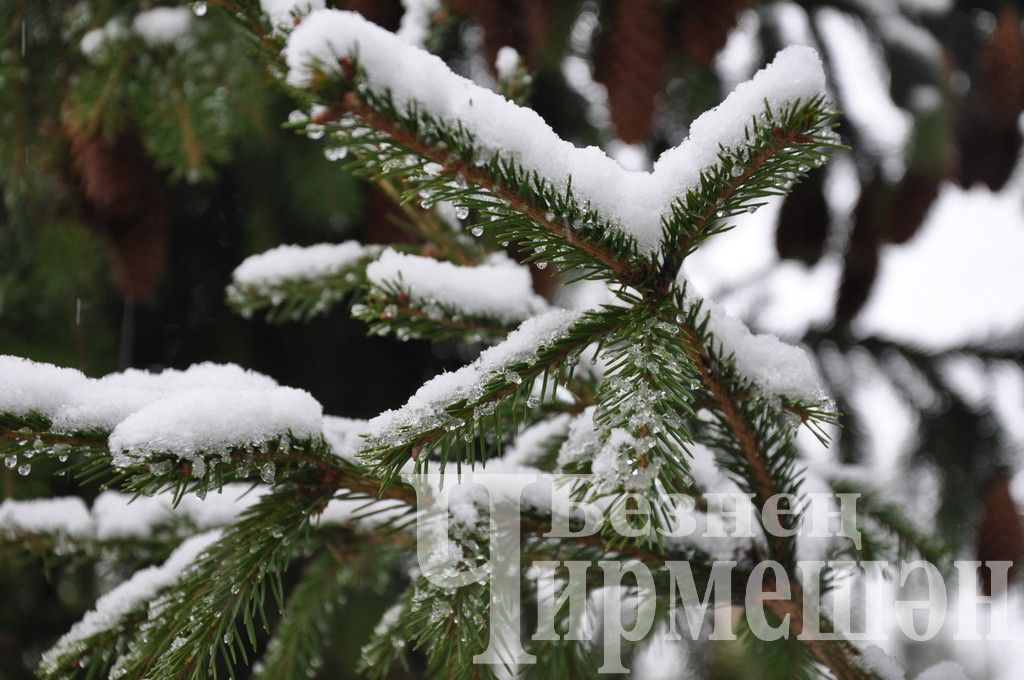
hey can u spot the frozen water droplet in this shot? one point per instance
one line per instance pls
(462, 212)
(227, 638)
(541, 265)
(533, 402)
(477, 231)
(513, 377)
(24, 469)
(10, 462)
(314, 131)
(268, 473)
(737, 170)
(199, 8)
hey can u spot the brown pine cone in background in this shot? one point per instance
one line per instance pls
(1000, 531)
(705, 26)
(989, 136)
(911, 201)
(870, 220)
(381, 219)
(535, 20)
(632, 61)
(804, 220)
(999, 71)
(123, 197)
(385, 13)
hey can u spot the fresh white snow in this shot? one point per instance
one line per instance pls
(62, 516)
(881, 663)
(214, 420)
(163, 25)
(425, 409)
(944, 670)
(583, 440)
(416, 20)
(207, 408)
(282, 13)
(506, 63)
(129, 596)
(634, 201)
(776, 367)
(95, 39)
(116, 515)
(345, 435)
(289, 262)
(531, 442)
(500, 289)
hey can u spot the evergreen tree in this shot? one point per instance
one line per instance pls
(256, 496)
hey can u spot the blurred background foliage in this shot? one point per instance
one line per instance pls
(137, 173)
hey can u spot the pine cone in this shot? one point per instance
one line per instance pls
(804, 220)
(633, 63)
(999, 72)
(536, 28)
(381, 218)
(910, 204)
(705, 26)
(861, 260)
(990, 139)
(122, 196)
(1000, 531)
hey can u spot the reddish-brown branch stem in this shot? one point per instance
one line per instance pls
(457, 166)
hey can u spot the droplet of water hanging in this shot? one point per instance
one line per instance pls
(268, 473)
(24, 469)
(477, 231)
(10, 462)
(533, 402)
(199, 8)
(462, 212)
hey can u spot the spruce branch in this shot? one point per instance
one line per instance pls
(286, 510)
(749, 431)
(781, 147)
(500, 400)
(387, 310)
(877, 512)
(451, 244)
(302, 296)
(840, 657)
(501, 186)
